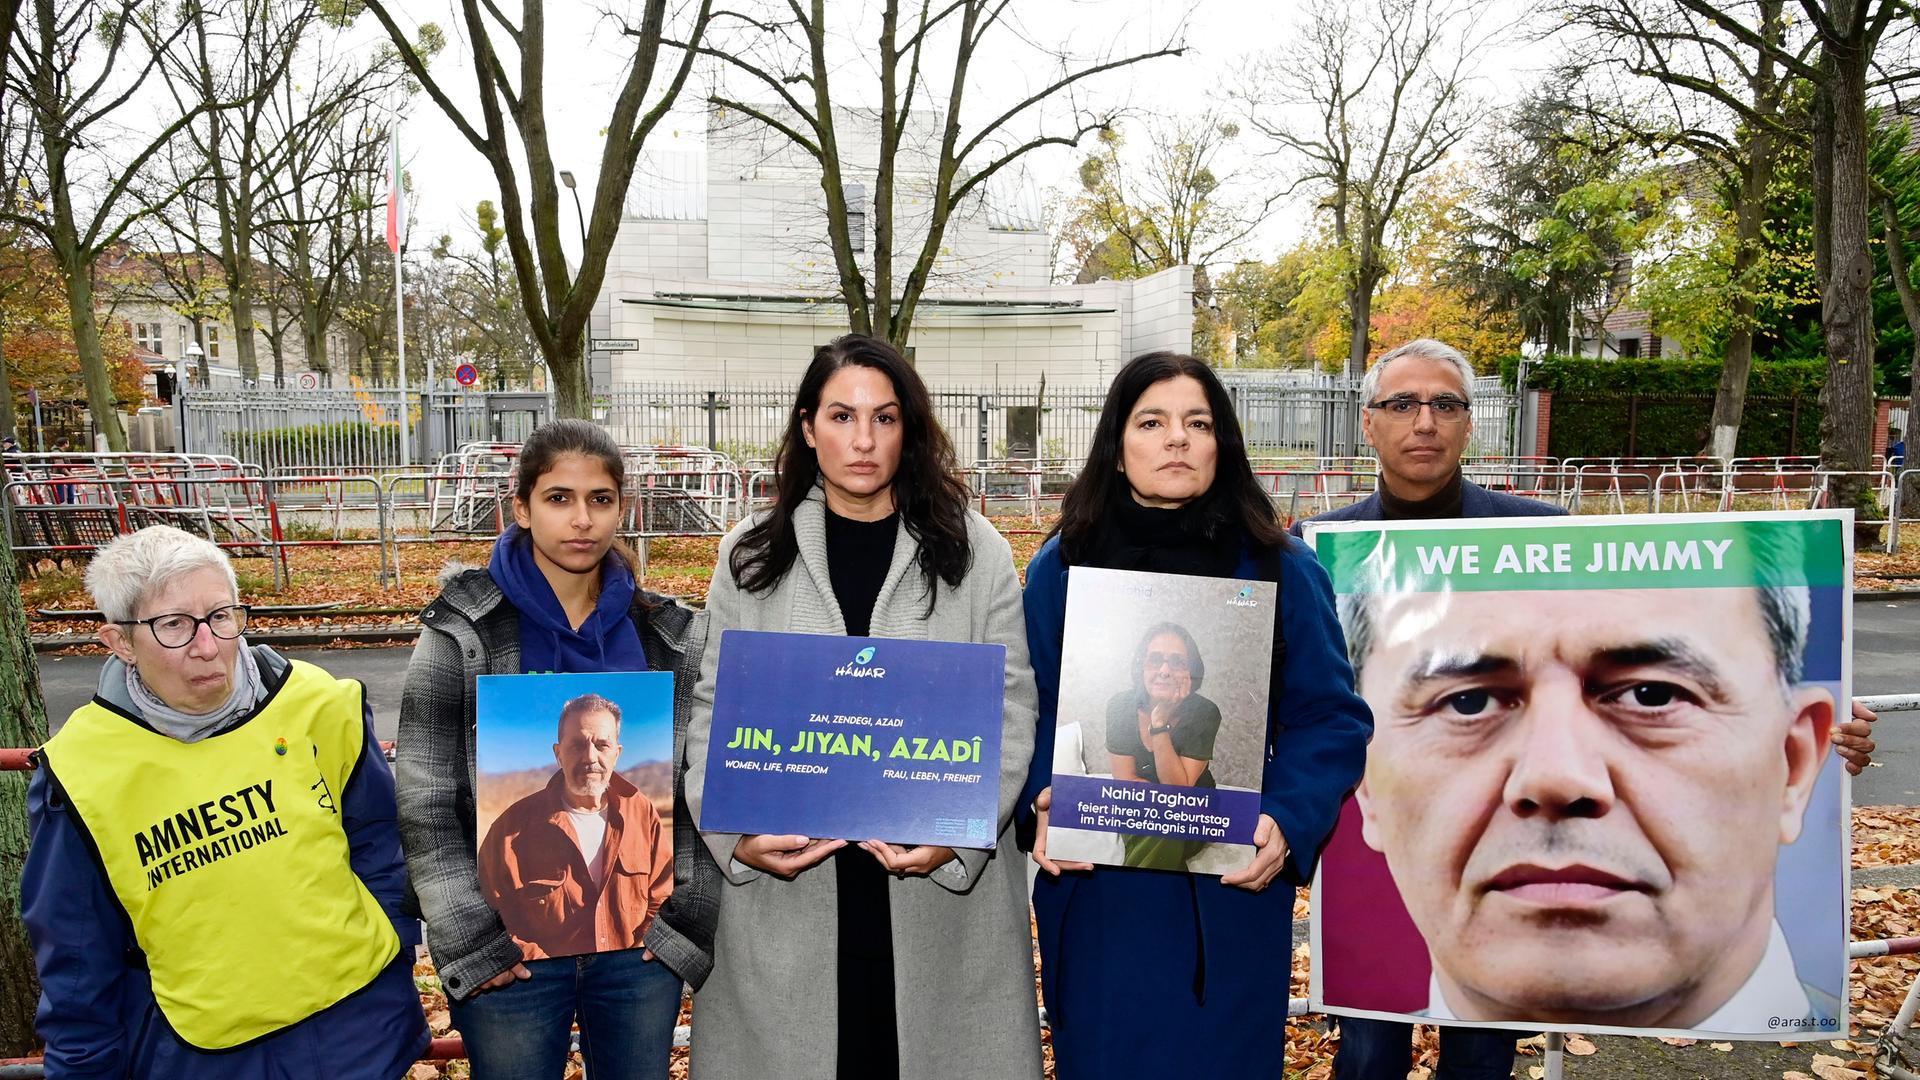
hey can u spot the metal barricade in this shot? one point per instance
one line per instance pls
(1542, 481)
(1614, 487)
(699, 501)
(332, 512)
(436, 507)
(1906, 503)
(235, 512)
(1885, 490)
(1321, 490)
(1032, 481)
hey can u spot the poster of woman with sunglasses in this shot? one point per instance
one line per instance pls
(1161, 724)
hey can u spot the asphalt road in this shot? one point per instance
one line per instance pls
(68, 681)
(1886, 660)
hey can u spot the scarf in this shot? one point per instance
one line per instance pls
(607, 641)
(248, 689)
(1189, 539)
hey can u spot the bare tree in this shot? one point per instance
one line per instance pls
(1169, 207)
(242, 56)
(1372, 95)
(471, 293)
(559, 299)
(784, 51)
(79, 68)
(1718, 97)
(329, 125)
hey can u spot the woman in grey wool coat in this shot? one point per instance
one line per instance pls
(836, 960)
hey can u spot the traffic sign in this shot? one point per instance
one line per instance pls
(616, 344)
(309, 381)
(466, 375)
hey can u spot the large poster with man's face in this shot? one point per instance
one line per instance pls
(1600, 794)
(574, 806)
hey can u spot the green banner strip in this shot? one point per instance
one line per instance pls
(1524, 556)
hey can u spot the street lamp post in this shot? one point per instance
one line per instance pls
(196, 364)
(566, 177)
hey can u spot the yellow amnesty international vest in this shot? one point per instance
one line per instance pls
(230, 858)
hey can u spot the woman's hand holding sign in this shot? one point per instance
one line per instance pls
(1270, 851)
(1041, 804)
(783, 856)
(923, 859)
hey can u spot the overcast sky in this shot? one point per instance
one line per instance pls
(587, 57)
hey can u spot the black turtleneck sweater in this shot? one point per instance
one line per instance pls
(1444, 503)
(858, 556)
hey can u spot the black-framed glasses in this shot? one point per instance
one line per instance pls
(1447, 409)
(1176, 662)
(175, 630)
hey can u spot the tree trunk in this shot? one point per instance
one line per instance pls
(313, 338)
(86, 339)
(1846, 273)
(572, 394)
(75, 267)
(1902, 273)
(277, 342)
(1730, 400)
(6, 392)
(240, 300)
(1360, 304)
(23, 722)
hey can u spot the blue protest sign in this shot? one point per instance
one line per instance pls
(856, 738)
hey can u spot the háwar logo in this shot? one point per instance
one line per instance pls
(859, 669)
(1244, 598)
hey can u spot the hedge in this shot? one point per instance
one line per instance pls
(1667, 378)
(346, 442)
(1664, 408)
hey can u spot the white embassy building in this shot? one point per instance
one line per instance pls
(721, 273)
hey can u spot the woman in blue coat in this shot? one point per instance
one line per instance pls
(1147, 971)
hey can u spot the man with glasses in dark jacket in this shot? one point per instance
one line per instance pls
(1418, 419)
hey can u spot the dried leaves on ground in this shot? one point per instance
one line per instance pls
(1875, 570)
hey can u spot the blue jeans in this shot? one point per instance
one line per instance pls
(627, 1007)
(1383, 1049)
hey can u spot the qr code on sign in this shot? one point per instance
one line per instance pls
(977, 828)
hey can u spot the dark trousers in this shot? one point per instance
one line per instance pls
(1383, 1050)
(626, 1006)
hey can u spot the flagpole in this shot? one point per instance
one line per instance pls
(397, 239)
(400, 334)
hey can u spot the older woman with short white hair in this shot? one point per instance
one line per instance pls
(214, 884)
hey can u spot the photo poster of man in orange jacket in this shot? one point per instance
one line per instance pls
(574, 807)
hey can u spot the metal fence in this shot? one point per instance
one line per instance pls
(1283, 414)
(355, 430)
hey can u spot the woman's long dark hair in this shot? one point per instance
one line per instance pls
(557, 438)
(929, 496)
(1234, 500)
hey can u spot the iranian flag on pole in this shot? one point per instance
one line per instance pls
(396, 200)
